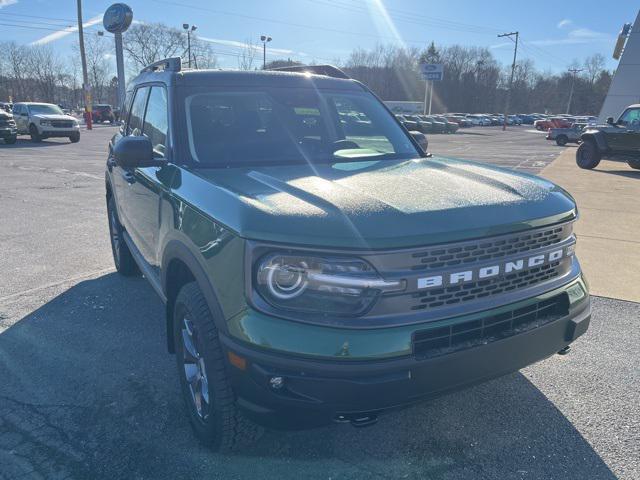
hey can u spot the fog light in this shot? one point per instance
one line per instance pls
(276, 382)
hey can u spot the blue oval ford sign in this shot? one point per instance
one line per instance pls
(117, 18)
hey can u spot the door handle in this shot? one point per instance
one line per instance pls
(111, 162)
(129, 177)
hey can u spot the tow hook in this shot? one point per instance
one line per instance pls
(357, 420)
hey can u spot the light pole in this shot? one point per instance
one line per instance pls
(189, 29)
(264, 39)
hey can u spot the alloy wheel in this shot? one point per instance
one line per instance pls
(195, 371)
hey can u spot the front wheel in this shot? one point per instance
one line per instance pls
(588, 156)
(634, 163)
(122, 258)
(74, 137)
(561, 140)
(35, 135)
(209, 399)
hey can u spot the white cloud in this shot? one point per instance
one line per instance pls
(66, 31)
(565, 23)
(578, 35)
(257, 46)
(6, 3)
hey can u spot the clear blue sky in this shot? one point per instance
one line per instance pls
(553, 33)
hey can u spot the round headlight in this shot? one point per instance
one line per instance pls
(286, 281)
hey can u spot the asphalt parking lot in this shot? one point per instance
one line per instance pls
(87, 389)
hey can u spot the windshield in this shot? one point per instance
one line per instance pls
(304, 125)
(45, 109)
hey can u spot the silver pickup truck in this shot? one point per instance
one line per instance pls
(562, 136)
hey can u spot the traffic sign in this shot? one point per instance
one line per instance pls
(432, 71)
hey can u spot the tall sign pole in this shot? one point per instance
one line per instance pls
(85, 76)
(431, 72)
(117, 20)
(513, 69)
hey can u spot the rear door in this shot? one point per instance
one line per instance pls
(21, 118)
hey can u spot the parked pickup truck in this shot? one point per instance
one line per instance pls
(312, 273)
(562, 136)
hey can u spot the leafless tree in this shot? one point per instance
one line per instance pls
(247, 55)
(593, 65)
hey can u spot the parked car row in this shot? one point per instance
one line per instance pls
(39, 120)
(428, 123)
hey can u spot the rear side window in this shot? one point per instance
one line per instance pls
(134, 128)
(156, 120)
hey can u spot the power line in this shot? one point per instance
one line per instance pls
(33, 28)
(37, 16)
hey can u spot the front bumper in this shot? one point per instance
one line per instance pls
(8, 132)
(47, 131)
(318, 390)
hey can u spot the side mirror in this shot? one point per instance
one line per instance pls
(610, 120)
(132, 152)
(421, 138)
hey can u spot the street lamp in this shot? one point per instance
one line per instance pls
(264, 39)
(189, 29)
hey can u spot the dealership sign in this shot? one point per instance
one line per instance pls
(432, 71)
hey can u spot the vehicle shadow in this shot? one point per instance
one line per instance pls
(630, 173)
(88, 391)
(27, 143)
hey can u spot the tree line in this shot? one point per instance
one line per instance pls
(474, 81)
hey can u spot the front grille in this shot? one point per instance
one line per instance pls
(485, 288)
(489, 249)
(7, 122)
(61, 123)
(438, 341)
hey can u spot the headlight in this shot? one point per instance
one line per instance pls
(45, 123)
(75, 123)
(333, 286)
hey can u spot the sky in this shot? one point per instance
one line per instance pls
(552, 34)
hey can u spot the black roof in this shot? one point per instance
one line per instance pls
(237, 78)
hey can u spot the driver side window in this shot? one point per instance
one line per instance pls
(630, 118)
(134, 127)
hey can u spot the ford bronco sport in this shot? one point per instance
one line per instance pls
(619, 140)
(315, 270)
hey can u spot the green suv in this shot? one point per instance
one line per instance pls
(318, 270)
(615, 140)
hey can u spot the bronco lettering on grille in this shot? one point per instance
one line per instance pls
(490, 271)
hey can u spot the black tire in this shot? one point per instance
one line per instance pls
(561, 140)
(11, 140)
(634, 163)
(217, 422)
(588, 156)
(35, 136)
(122, 258)
(75, 137)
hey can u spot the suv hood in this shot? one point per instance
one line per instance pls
(54, 116)
(376, 205)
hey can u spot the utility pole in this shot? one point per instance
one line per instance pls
(573, 72)
(85, 76)
(513, 69)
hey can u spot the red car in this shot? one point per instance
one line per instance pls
(555, 122)
(102, 113)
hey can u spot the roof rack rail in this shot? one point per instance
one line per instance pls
(173, 64)
(326, 70)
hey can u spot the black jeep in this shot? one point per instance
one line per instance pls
(615, 140)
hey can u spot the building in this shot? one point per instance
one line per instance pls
(625, 86)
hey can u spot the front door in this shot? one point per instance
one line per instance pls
(145, 188)
(626, 137)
